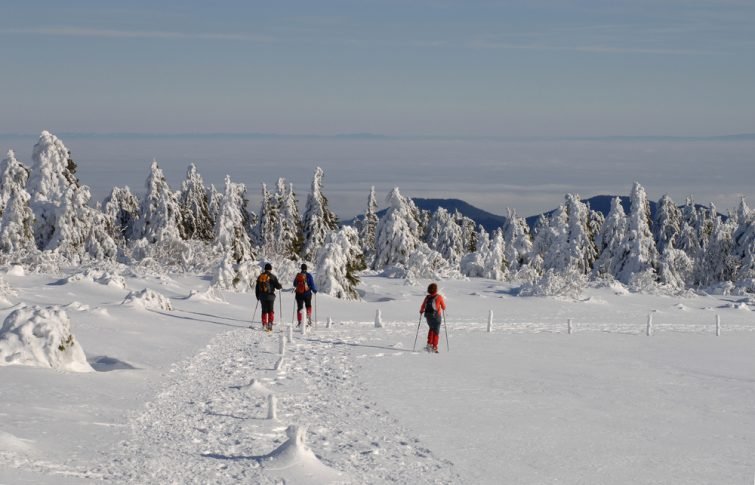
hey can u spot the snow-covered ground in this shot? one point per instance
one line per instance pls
(187, 393)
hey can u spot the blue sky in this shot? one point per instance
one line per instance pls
(429, 67)
(494, 87)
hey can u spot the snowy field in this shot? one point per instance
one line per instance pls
(187, 393)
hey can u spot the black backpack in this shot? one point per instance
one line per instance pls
(430, 310)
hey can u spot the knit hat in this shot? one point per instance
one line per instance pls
(304, 267)
(268, 266)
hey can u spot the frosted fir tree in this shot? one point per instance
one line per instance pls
(398, 232)
(473, 263)
(214, 202)
(318, 220)
(675, 268)
(468, 231)
(609, 241)
(639, 261)
(52, 174)
(196, 221)
(339, 261)
(231, 236)
(288, 232)
(267, 224)
(667, 224)
(13, 174)
(718, 263)
(445, 236)
(689, 235)
(160, 213)
(121, 213)
(518, 241)
(368, 227)
(580, 239)
(556, 255)
(744, 247)
(489, 260)
(17, 224)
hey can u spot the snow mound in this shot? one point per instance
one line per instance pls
(16, 270)
(740, 306)
(41, 337)
(149, 299)
(12, 443)
(682, 307)
(255, 386)
(101, 277)
(295, 463)
(78, 306)
(211, 294)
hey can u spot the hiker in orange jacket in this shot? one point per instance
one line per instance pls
(433, 307)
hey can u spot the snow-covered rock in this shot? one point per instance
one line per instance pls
(41, 337)
(211, 294)
(149, 299)
(100, 277)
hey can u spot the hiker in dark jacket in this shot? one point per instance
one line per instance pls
(264, 290)
(433, 307)
(304, 287)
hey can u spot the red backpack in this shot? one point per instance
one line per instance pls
(300, 282)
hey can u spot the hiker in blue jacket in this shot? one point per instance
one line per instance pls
(304, 287)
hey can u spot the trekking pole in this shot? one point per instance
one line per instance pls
(280, 306)
(254, 313)
(315, 308)
(446, 327)
(293, 313)
(417, 335)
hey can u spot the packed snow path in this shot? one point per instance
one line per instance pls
(211, 422)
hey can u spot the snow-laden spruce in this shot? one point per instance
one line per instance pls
(196, 221)
(339, 262)
(639, 259)
(398, 231)
(231, 236)
(368, 226)
(318, 220)
(41, 337)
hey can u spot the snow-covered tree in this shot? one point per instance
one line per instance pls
(52, 174)
(639, 261)
(196, 221)
(339, 261)
(231, 236)
(17, 223)
(160, 214)
(445, 236)
(318, 220)
(489, 260)
(579, 239)
(214, 202)
(609, 241)
(468, 231)
(517, 239)
(121, 214)
(288, 232)
(556, 255)
(368, 227)
(667, 225)
(268, 223)
(744, 246)
(13, 174)
(718, 263)
(398, 232)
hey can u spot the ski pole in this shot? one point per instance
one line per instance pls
(315, 309)
(446, 327)
(293, 313)
(254, 313)
(280, 306)
(417, 335)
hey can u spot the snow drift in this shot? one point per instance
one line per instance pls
(41, 337)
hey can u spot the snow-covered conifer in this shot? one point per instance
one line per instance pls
(639, 260)
(744, 246)
(517, 239)
(196, 222)
(267, 225)
(17, 223)
(667, 225)
(13, 174)
(214, 202)
(445, 236)
(556, 255)
(609, 241)
(160, 214)
(338, 262)
(231, 236)
(398, 232)
(288, 232)
(368, 228)
(121, 213)
(718, 263)
(318, 220)
(580, 240)
(468, 231)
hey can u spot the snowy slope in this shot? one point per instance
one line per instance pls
(184, 395)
